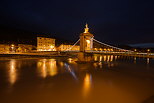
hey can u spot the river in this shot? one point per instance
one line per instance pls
(107, 79)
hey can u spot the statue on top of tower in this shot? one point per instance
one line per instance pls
(86, 30)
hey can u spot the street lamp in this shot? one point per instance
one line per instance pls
(12, 47)
(148, 50)
(135, 50)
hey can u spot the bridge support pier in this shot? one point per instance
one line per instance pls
(86, 40)
(85, 57)
(81, 56)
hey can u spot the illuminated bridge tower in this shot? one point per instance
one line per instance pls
(86, 40)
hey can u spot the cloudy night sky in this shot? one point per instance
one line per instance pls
(111, 21)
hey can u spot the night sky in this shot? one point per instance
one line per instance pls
(111, 21)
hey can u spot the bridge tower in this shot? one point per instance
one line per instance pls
(86, 40)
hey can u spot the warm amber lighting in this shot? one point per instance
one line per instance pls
(86, 30)
(108, 58)
(135, 50)
(45, 44)
(61, 64)
(47, 68)
(115, 57)
(105, 58)
(95, 58)
(148, 60)
(134, 59)
(111, 58)
(51, 46)
(52, 68)
(148, 50)
(12, 45)
(101, 49)
(63, 47)
(95, 49)
(12, 72)
(70, 60)
(88, 41)
(87, 84)
(100, 58)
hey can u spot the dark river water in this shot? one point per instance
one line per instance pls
(112, 79)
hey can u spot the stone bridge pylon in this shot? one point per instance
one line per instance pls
(86, 40)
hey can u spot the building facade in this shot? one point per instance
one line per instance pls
(4, 48)
(24, 48)
(64, 47)
(45, 44)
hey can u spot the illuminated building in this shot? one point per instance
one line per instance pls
(45, 44)
(64, 47)
(24, 48)
(4, 48)
(86, 40)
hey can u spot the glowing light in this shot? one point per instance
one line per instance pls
(88, 41)
(100, 59)
(95, 49)
(115, 57)
(70, 60)
(12, 72)
(148, 50)
(47, 68)
(52, 68)
(95, 58)
(111, 58)
(100, 64)
(148, 60)
(86, 30)
(134, 59)
(101, 49)
(87, 84)
(61, 64)
(51, 46)
(108, 58)
(135, 50)
(105, 58)
(12, 45)
(44, 71)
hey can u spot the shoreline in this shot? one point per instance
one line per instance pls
(67, 55)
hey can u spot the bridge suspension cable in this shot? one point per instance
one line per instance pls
(110, 45)
(73, 45)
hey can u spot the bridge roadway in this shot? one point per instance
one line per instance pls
(73, 53)
(131, 53)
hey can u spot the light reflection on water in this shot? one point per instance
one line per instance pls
(109, 79)
(87, 84)
(148, 60)
(47, 67)
(12, 72)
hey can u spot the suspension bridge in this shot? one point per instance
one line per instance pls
(87, 44)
